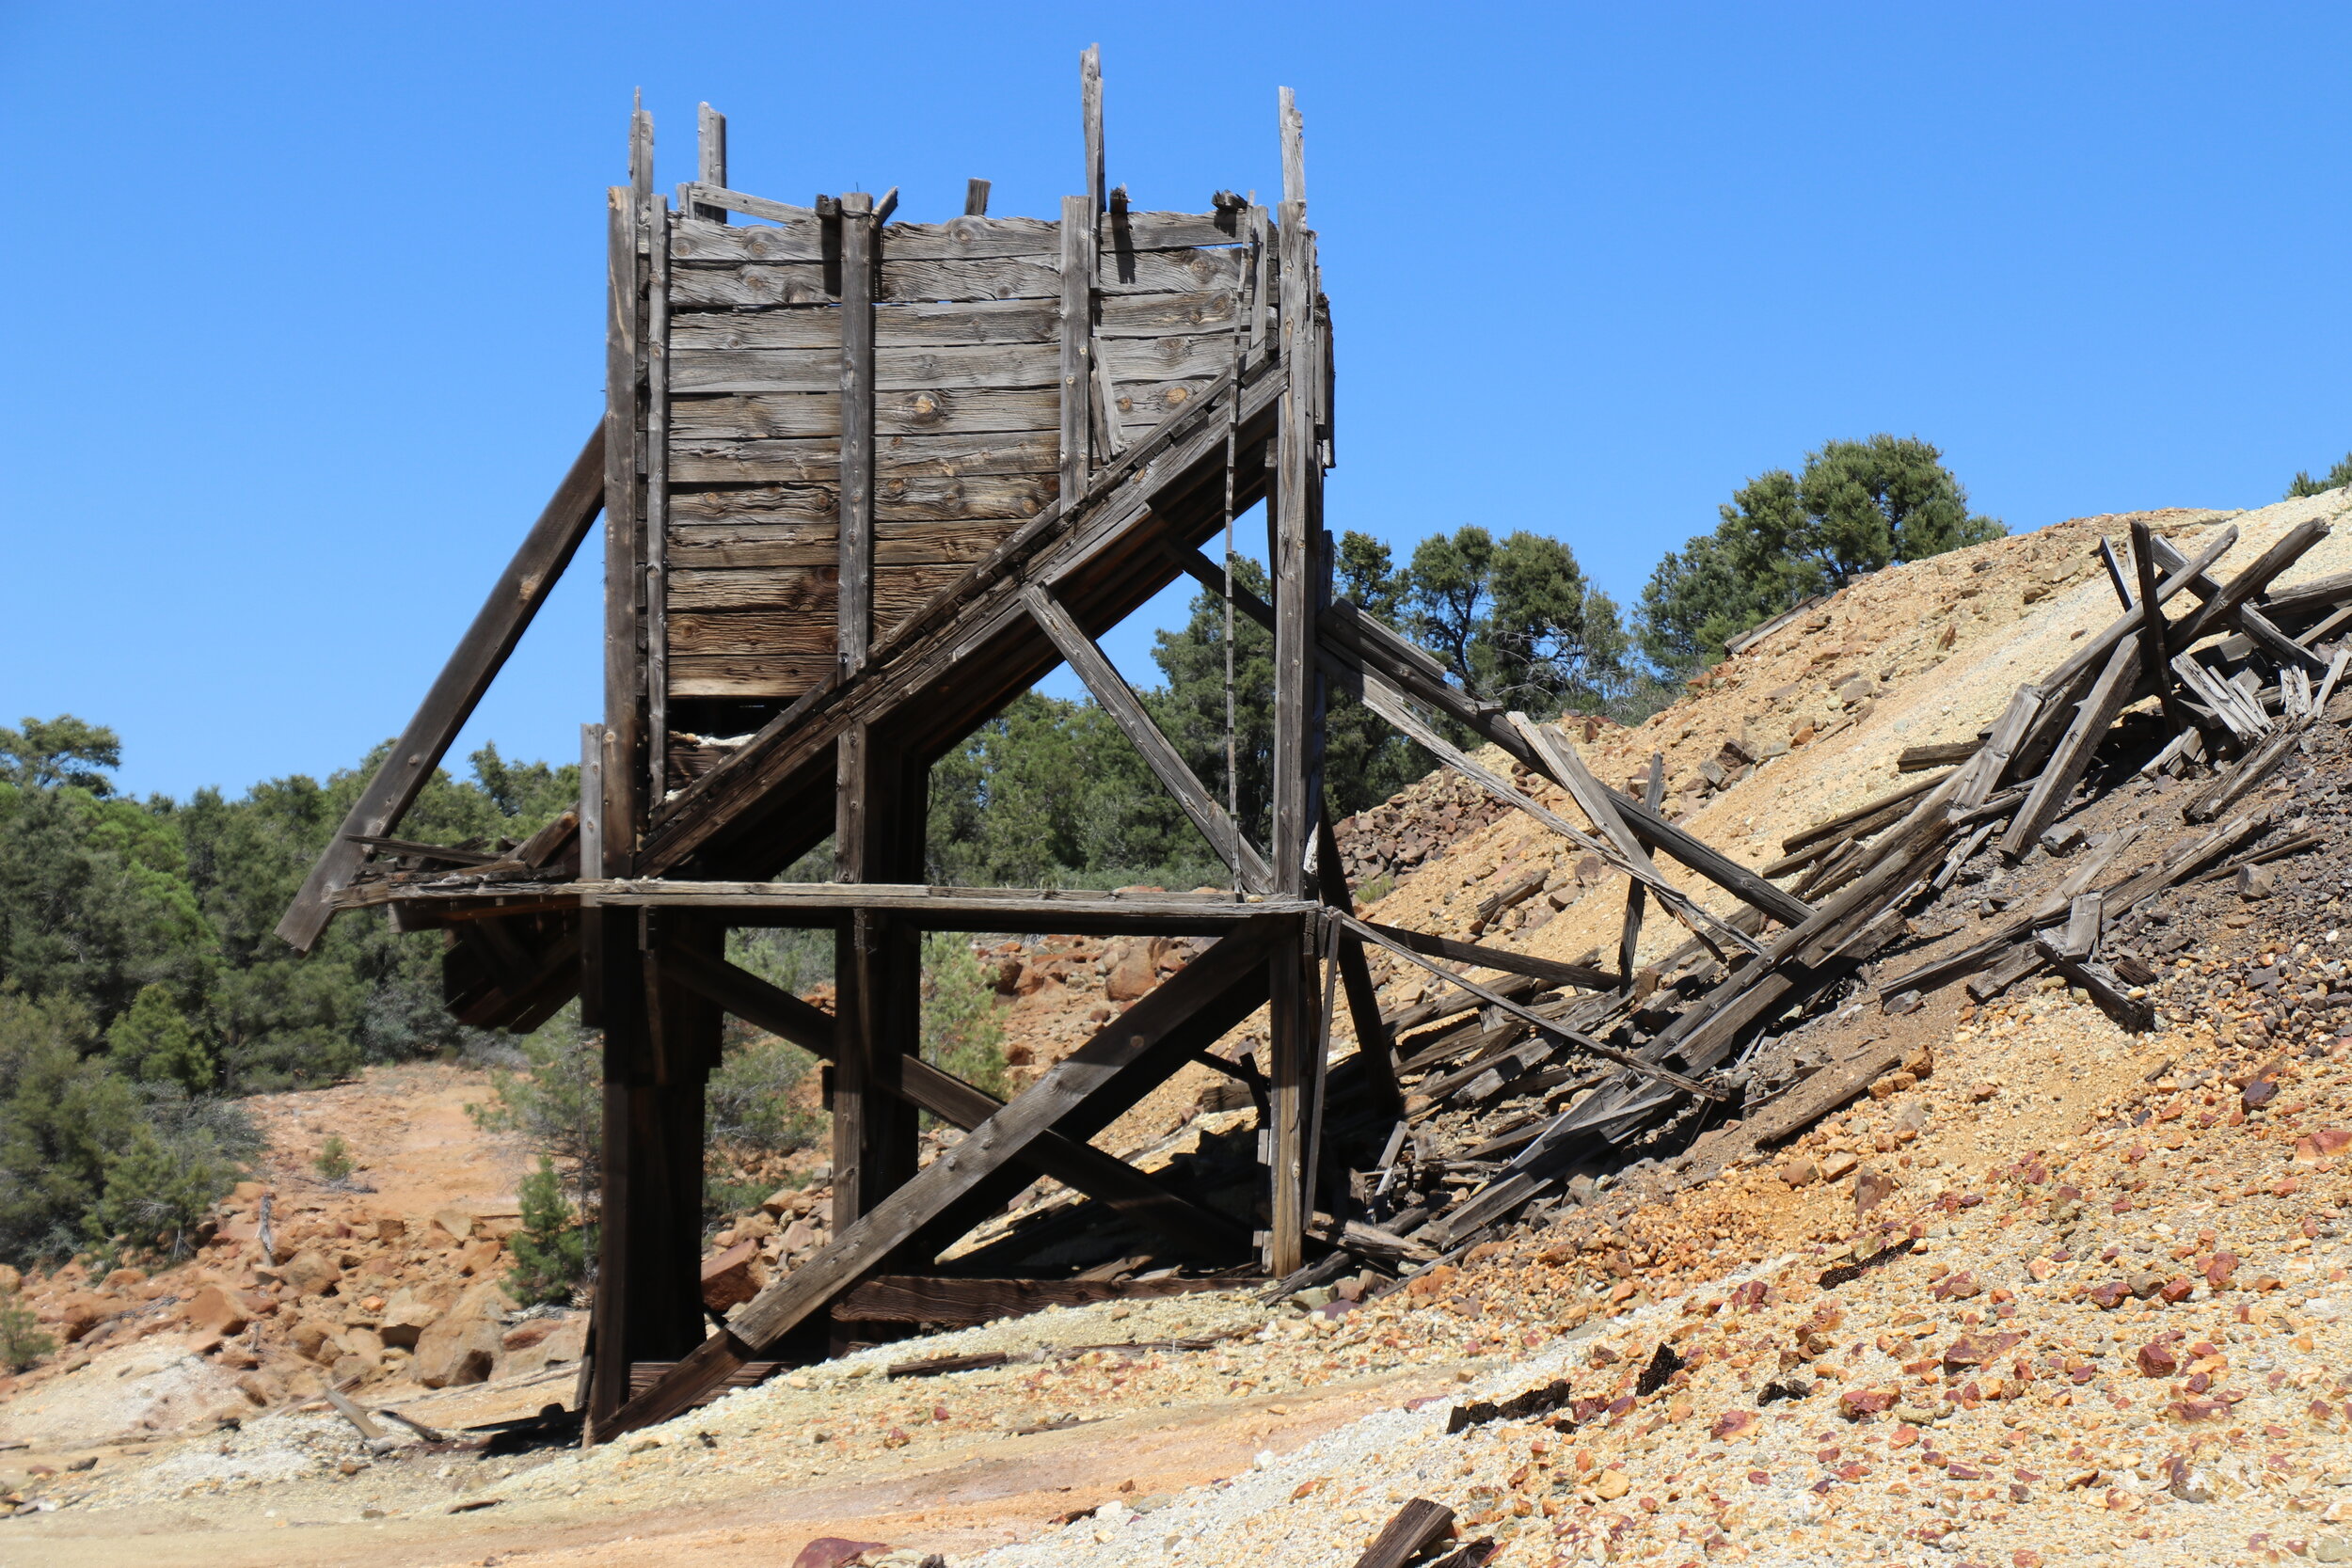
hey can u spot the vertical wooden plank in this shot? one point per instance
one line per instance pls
(1077, 333)
(1294, 580)
(592, 802)
(1294, 148)
(657, 525)
(624, 577)
(1090, 106)
(1637, 895)
(1260, 283)
(2152, 664)
(858, 265)
(1289, 1039)
(975, 198)
(710, 162)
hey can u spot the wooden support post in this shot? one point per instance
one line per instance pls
(655, 531)
(1090, 108)
(1373, 1041)
(500, 623)
(711, 158)
(858, 275)
(975, 198)
(624, 509)
(877, 836)
(1077, 338)
(660, 1045)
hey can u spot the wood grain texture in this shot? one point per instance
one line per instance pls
(804, 460)
(926, 411)
(946, 1299)
(793, 370)
(919, 324)
(756, 284)
(898, 498)
(702, 554)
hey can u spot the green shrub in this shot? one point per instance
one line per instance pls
(551, 1248)
(21, 1339)
(334, 1158)
(960, 1030)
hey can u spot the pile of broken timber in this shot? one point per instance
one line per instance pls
(1577, 1075)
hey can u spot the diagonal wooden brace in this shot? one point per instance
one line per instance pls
(1075, 1163)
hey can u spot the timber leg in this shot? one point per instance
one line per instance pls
(660, 1045)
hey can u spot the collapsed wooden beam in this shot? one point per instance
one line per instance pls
(2075, 748)
(1374, 1042)
(1121, 1064)
(505, 616)
(1583, 977)
(1528, 1015)
(1073, 1162)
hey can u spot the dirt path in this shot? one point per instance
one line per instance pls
(963, 1499)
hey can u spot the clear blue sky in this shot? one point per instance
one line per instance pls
(306, 301)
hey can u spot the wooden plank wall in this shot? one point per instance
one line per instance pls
(966, 417)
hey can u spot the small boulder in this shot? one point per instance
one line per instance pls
(312, 1272)
(217, 1310)
(463, 1345)
(1871, 1187)
(405, 1318)
(727, 1279)
(1133, 974)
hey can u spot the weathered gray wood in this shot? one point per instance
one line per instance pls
(2079, 939)
(1212, 984)
(1913, 759)
(1167, 357)
(1294, 154)
(815, 460)
(1068, 1161)
(716, 553)
(2246, 617)
(2153, 666)
(710, 163)
(1090, 111)
(978, 609)
(505, 616)
(801, 282)
(1552, 971)
(1110, 689)
(2108, 697)
(915, 325)
(2241, 776)
(653, 529)
(895, 370)
(897, 498)
(624, 510)
(1527, 1015)
(929, 411)
(823, 901)
(975, 198)
(1636, 895)
(1073, 371)
(1849, 822)
(2221, 609)
(2115, 571)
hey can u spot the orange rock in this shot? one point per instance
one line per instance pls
(726, 1279)
(217, 1310)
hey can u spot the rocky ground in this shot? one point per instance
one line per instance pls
(2048, 1293)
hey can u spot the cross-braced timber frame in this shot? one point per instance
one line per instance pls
(862, 484)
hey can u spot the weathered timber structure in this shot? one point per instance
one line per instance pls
(862, 484)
